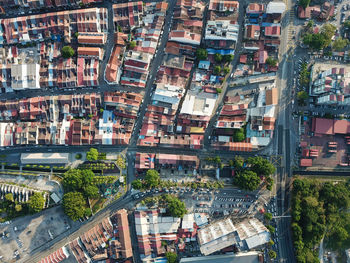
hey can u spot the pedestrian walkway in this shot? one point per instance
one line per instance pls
(291, 29)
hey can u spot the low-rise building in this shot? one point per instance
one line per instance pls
(246, 234)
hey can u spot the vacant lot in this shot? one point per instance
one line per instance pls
(25, 234)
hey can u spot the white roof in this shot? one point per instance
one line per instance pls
(260, 141)
(45, 158)
(187, 221)
(55, 198)
(275, 8)
(200, 219)
(258, 240)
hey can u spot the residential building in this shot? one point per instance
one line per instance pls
(151, 228)
(127, 16)
(25, 76)
(49, 25)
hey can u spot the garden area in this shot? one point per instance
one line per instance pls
(153, 180)
(81, 185)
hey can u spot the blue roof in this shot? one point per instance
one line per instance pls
(221, 51)
(107, 115)
(204, 64)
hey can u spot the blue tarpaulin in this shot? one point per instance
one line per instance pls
(221, 51)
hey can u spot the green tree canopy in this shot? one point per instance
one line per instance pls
(237, 162)
(272, 254)
(271, 229)
(217, 70)
(121, 162)
(67, 52)
(132, 44)
(218, 58)
(137, 184)
(152, 178)
(78, 180)
(92, 155)
(201, 54)
(72, 180)
(226, 70)
(302, 95)
(340, 43)
(36, 202)
(247, 180)
(271, 61)
(9, 197)
(91, 191)
(171, 257)
(176, 207)
(239, 135)
(18, 208)
(261, 166)
(268, 216)
(74, 205)
(228, 58)
(304, 3)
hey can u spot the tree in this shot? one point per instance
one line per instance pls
(18, 208)
(152, 178)
(271, 229)
(271, 243)
(261, 166)
(310, 24)
(87, 212)
(304, 3)
(201, 54)
(247, 180)
(137, 184)
(269, 183)
(271, 61)
(91, 191)
(268, 216)
(226, 70)
(74, 205)
(347, 24)
(9, 197)
(176, 207)
(171, 257)
(340, 43)
(328, 30)
(272, 254)
(228, 58)
(239, 135)
(36, 202)
(78, 156)
(237, 162)
(218, 58)
(302, 96)
(121, 162)
(218, 90)
(132, 44)
(67, 52)
(92, 155)
(76, 34)
(217, 70)
(72, 180)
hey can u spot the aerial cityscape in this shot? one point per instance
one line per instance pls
(179, 131)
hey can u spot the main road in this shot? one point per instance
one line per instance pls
(284, 129)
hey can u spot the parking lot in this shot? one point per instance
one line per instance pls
(23, 235)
